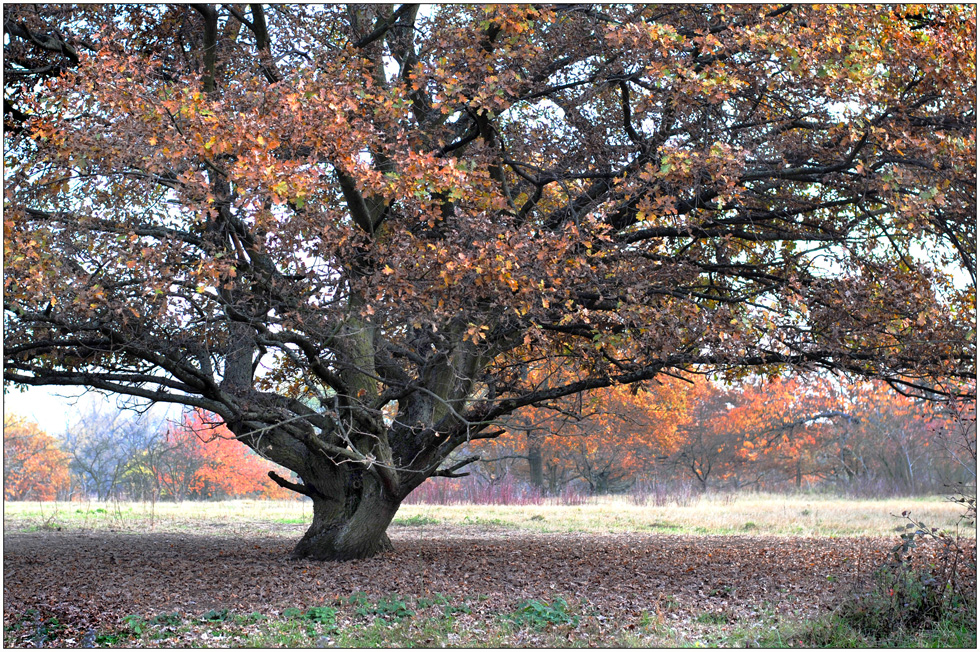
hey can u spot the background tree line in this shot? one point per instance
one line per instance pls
(780, 434)
(107, 454)
(784, 433)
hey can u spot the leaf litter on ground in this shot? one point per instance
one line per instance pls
(92, 582)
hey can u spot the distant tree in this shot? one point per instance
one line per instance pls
(255, 212)
(605, 438)
(755, 431)
(706, 443)
(106, 448)
(34, 468)
(200, 458)
(902, 442)
(956, 434)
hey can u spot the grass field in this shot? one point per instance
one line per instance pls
(755, 514)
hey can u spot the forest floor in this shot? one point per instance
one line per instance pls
(230, 583)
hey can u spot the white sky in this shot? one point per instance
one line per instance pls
(53, 408)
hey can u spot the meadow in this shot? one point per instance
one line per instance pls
(738, 570)
(746, 513)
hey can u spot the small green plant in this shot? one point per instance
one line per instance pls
(437, 599)
(449, 609)
(167, 619)
(325, 617)
(721, 592)
(215, 615)
(45, 630)
(109, 639)
(134, 624)
(669, 602)
(359, 599)
(322, 615)
(649, 619)
(390, 607)
(26, 621)
(538, 614)
(249, 619)
(453, 609)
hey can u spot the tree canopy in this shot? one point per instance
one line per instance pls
(350, 232)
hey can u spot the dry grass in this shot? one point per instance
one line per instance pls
(755, 514)
(762, 514)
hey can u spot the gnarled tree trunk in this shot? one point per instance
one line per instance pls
(350, 517)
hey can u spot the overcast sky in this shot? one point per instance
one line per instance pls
(53, 408)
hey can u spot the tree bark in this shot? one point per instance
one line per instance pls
(535, 463)
(348, 524)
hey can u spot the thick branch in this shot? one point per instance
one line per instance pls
(381, 29)
(306, 490)
(449, 472)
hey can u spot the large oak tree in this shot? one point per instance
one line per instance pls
(348, 232)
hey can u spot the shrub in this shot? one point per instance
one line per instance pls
(914, 593)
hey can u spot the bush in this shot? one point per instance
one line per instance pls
(916, 594)
(923, 596)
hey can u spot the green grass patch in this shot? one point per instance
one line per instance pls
(441, 621)
(416, 520)
(479, 520)
(712, 618)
